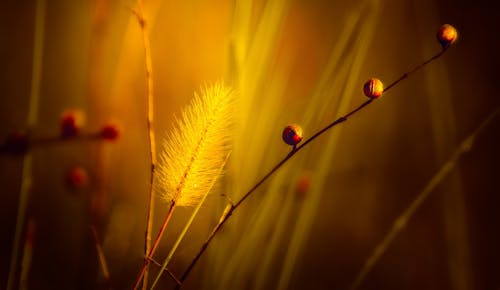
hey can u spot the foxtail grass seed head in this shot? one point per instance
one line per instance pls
(446, 35)
(292, 134)
(373, 88)
(196, 148)
(71, 122)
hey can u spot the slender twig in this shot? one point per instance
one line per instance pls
(401, 222)
(26, 178)
(42, 141)
(156, 263)
(232, 207)
(151, 135)
(405, 75)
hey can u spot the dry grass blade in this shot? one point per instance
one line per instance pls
(401, 222)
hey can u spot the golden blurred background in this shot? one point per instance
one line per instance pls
(315, 222)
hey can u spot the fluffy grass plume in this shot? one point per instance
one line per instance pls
(197, 146)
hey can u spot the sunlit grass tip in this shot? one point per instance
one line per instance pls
(197, 146)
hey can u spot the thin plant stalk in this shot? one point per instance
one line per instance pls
(100, 254)
(34, 101)
(149, 256)
(232, 207)
(29, 242)
(185, 229)
(151, 137)
(45, 141)
(401, 222)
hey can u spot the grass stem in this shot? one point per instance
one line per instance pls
(151, 135)
(149, 256)
(26, 178)
(102, 259)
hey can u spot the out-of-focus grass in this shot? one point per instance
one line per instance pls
(265, 242)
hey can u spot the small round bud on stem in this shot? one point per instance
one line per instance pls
(446, 35)
(373, 88)
(303, 184)
(77, 177)
(292, 134)
(110, 132)
(71, 122)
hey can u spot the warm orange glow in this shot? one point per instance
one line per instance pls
(313, 223)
